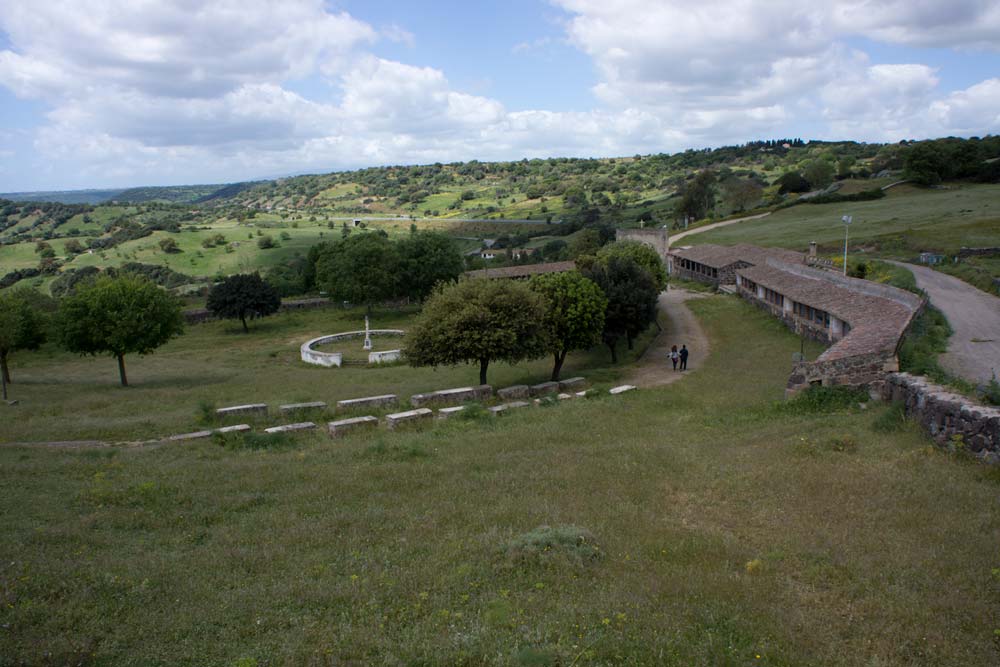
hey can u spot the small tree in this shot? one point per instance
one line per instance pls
(361, 269)
(22, 325)
(118, 315)
(642, 254)
(574, 314)
(169, 246)
(631, 295)
(265, 242)
(478, 321)
(425, 259)
(242, 295)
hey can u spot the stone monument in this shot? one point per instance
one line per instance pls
(368, 336)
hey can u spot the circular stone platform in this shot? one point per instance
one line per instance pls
(311, 356)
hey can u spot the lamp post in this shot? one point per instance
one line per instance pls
(847, 225)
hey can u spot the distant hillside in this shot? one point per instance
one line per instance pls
(64, 196)
(174, 194)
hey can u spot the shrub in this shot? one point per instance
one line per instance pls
(248, 440)
(824, 399)
(265, 242)
(546, 544)
(892, 419)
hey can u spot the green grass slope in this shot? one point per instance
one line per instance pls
(727, 532)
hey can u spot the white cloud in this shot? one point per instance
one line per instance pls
(186, 90)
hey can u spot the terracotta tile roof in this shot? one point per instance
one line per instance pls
(521, 271)
(877, 322)
(719, 256)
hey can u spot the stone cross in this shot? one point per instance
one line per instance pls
(368, 336)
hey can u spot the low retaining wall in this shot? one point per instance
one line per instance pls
(951, 419)
(329, 359)
(863, 370)
(978, 252)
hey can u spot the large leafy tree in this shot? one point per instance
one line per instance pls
(22, 324)
(642, 254)
(478, 321)
(362, 268)
(574, 314)
(631, 295)
(698, 198)
(243, 295)
(119, 315)
(425, 259)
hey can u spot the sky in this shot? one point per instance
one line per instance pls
(119, 93)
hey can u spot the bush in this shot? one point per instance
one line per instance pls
(891, 420)
(824, 399)
(265, 242)
(546, 544)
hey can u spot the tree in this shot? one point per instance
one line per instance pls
(425, 259)
(642, 254)
(118, 315)
(585, 242)
(360, 269)
(574, 314)
(698, 198)
(741, 193)
(925, 164)
(265, 242)
(73, 247)
(22, 325)
(631, 295)
(242, 295)
(168, 245)
(819, 173)
(478, 321)
(792, 181)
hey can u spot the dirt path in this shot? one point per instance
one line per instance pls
(715, 225)
(681, 328)
(974, 348)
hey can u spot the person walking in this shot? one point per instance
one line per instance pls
(674, 356)
(684, 357)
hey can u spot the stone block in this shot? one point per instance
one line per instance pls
(286, 428)
(544, 388)
(517, 391)
(518, 404)
(239, 428)
(295, 407)
(190, 436)
(564, 397)
(583, 394)
(367, 402)
(452, 396)
(448, 413)
(572, 383)
(249, 408)
(394, 420)
(622, 389)
(498, 409)
(338, 428)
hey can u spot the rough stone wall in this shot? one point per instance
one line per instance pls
(978, 252)
(659, 239)
(952, 420)
(862, 370)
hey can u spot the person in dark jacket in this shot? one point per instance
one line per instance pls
(684, 357)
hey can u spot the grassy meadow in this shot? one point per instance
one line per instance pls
(907, 221)
(696, 524)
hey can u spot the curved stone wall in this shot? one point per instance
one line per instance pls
(329, 359)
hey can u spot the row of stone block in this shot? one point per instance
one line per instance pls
(443, 396)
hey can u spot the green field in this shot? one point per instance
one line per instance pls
(727, 531)
(907, 221)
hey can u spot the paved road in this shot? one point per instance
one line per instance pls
(681, 328)
(715, 225)
(974, 348)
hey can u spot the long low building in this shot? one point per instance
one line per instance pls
(862, 321)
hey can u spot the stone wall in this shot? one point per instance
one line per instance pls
(659, 239)
(862, 370)
(978, 252)
(952, 420)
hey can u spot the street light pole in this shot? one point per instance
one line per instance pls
(847, 225)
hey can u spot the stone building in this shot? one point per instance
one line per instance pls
(717, 264)
(864, 322)
(658, 238)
